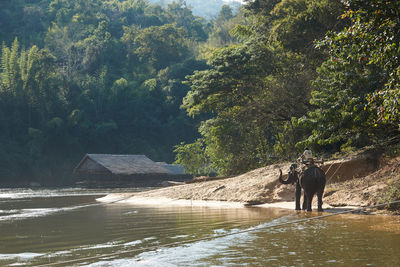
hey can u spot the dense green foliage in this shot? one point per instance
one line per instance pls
(237, 92)
(319, 73)
(358, 96)
(92, 76)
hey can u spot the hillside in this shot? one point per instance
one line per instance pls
(76, 73)
(378, 186)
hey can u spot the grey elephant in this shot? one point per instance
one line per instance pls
(312, 180)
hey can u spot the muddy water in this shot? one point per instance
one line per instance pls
(50, 226)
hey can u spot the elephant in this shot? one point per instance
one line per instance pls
(312, 180)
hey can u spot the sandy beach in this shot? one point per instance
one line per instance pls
(361, 187)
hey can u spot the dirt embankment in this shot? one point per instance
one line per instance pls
(356, 181)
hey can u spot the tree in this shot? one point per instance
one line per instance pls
(194, 26)
(340, 118)
(161, 45)
(223, 25)
(256, 90)
(192, 157)
(10, 78)
(374, 38)
(357, 98)
(252, 90)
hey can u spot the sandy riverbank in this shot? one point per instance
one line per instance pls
(261, 187)
(258, 187)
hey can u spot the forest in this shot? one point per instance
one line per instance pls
(226, 93)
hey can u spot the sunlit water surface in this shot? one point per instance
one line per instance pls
(51, 226)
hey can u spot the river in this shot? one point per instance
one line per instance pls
(39, 227)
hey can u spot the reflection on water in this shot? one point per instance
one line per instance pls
(44, 227)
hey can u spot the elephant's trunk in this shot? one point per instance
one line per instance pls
(281, 180)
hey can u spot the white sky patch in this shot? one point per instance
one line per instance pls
(229, 1)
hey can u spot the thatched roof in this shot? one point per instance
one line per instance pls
(119, 164)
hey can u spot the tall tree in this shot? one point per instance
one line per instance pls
(161, 45)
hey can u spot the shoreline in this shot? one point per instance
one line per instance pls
(261, 188)
(164, 201)
(124, 198)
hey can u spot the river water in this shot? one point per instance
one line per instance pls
(45, 227)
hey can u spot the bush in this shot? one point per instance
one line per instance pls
(392, 194)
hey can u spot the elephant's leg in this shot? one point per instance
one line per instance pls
(304, 200)
(319, 195)
(309, 201)
(298, 194)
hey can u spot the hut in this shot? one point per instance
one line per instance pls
(105, 170)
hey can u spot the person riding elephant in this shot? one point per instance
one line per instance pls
(307, 157)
